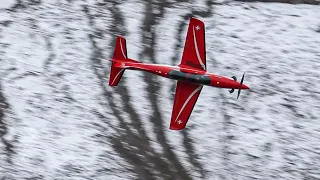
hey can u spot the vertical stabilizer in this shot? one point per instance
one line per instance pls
(120, 53)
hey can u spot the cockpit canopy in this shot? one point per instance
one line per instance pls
(192, 78)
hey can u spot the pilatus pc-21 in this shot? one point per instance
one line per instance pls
(191, 74)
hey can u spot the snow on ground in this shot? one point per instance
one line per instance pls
(134, 79)
(49, 92)
(276, 46)
(7, 4)
(271, 132)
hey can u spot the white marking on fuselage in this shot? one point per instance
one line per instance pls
(117, 75)
(188, 99)
(197, 51)
(162, 65)
(122, 50)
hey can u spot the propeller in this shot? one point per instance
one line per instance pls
(240, 85)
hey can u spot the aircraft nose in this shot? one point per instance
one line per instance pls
(243, 86)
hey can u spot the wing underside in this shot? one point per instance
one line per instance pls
(194, 53)
(185, 99)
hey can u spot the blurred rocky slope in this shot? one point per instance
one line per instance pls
(60, 120)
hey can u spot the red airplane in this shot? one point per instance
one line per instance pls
(191, 73)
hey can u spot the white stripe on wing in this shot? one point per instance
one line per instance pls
(122, 50)
(197, 51)
(188, 99)
(117, 75)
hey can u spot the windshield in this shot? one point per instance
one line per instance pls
(193, 78)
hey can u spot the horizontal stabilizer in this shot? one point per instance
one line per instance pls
(120, 53)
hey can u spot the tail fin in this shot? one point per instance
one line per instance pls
(120, 53)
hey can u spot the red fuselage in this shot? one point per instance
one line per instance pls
(185, 73)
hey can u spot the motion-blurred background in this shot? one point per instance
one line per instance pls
(59, 119)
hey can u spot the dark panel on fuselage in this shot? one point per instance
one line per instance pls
(192, 78)
(178, 75)
(198, 78)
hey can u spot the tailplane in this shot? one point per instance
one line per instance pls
(118, 61)
(120, 53)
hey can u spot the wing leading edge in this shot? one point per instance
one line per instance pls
(194, 53)
(185, 99)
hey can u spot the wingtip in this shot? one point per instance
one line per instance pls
(176, 128)
(120, 37)
(196, 19)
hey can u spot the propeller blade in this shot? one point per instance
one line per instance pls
(242, 78)
(238, 93)
(240, 85)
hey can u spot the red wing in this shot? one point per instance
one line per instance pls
(185, 98)
(194, 53)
